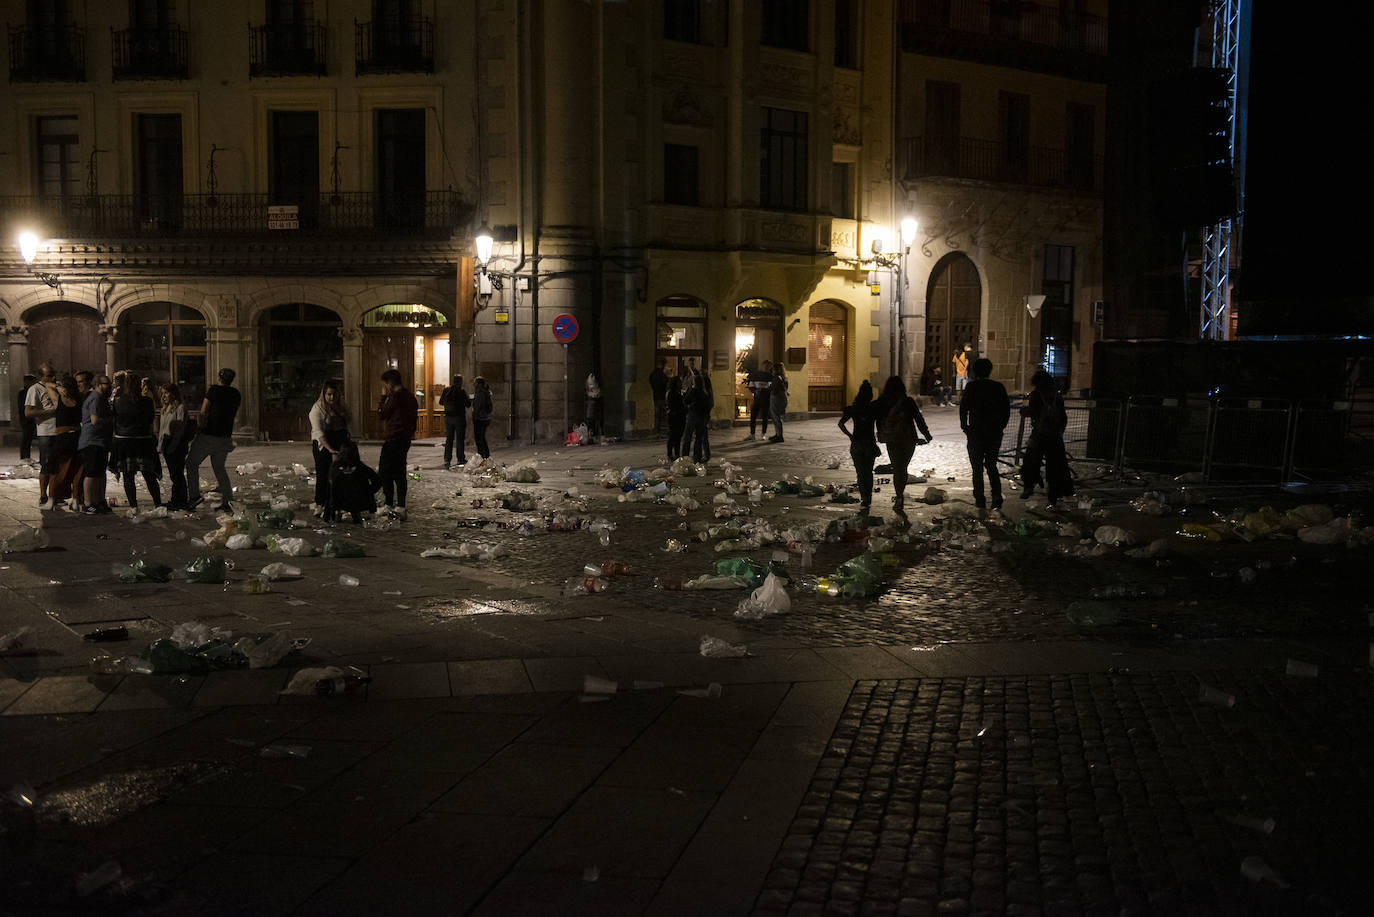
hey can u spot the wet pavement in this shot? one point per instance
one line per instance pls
(1012, 725)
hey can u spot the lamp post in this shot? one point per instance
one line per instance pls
(1032, 302)
(908, 236)
(28, 250)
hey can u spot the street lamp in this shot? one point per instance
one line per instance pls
(483, 241)
(1032, 302)
(908, 236)
(28, 249)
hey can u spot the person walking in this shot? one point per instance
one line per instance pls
(455, 402)
(97, 426)
(214, 440)
(28, 430)
(983, 414)
(399, 413)
(173, 441)
(961, 362)
(134, 449)
(863, 444)
(328, 432)
(777, 403)
(481, 416)
(1045, 408)
(40, 408)
(760, 381)
(658, 386)
(898, 418)
(677, 417)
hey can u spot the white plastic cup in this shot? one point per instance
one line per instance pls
(1301, 669)
(594, 684)
(347, 580)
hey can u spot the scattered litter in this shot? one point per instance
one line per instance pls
(1114, 535)
(326, 680)
(15, 638)
(716, 648)
(769, 599)
(27, 538)
(711, 690)
(279, 570)
(207, 568)
(339, 547)
(240, 542)
(1256, 870)
(347, 579)
(284, 751)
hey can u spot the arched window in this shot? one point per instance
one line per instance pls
(758, 337)
(165, 342)
(299, 349)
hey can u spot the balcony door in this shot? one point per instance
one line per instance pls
(942, 128)
(158, 170)
(59, 165)
(400, 167)
(294, 171)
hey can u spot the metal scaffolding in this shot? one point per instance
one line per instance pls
(1216, 239)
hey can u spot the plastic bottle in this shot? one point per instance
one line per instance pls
(107, 635)
(585, 585)
(347, 580)
(828, 585)
(346, 682)
(257, 584)
(607, 568)
(668, 583)
(807, 583)
(414, 475)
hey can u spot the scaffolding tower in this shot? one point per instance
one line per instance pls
(1216, 238)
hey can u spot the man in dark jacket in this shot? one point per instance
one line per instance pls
(455, 403)
(481, 417)
(983, 413)
(760, 382)
(658, 385)
(398, 412)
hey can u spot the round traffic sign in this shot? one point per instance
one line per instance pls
(565, 328)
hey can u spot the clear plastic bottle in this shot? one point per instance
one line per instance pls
(828, 585)
(607, 568)
(585, 585)
(347, 580)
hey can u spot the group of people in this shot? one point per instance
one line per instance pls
(894, 418)
(85, 424)
(683, 405)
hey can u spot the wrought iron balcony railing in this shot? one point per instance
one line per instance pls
(1010, 20)
(991, 161)
(150, 54)
(287, 49)
(40, 53)
(349, 213)
(393, 45)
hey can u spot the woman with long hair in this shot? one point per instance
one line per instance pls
(863, 446)
(1045, 408)
(173, 440)
(67, 469)
(328, 435)
(898, 417)
(134, 448)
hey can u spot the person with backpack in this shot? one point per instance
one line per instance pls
(353, 486)
(1048, 417)
(898, 418)
(983, 414)
(455, 402)
(863, 443)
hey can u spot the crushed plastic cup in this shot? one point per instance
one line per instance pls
(346, 579)
(716, 648)
(594, 684)
(1300, 669)
(1256, 870)
(1215, 696)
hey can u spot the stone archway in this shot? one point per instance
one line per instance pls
(954, 302)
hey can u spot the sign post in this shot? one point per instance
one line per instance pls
(565, 332)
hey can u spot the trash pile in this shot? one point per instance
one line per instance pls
(197, 648)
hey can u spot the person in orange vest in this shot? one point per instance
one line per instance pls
(961, 360)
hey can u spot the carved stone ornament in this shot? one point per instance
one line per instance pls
(227, 308)
(18, 334)
(350, 334)
(780, 76)
(845, 130)
(779, 231)
(684, 107)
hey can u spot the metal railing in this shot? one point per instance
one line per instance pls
(136, 215)
(393, 45)
(287, 49)
(150, 54)
(994, 161)
(1008, 20)
(40, 53)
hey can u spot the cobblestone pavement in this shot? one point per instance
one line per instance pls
(1098, 794)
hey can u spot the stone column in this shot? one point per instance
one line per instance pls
(17, 350)
(111, 334)
(357, 394)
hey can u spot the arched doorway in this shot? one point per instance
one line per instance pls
(299, 349)
(66, 333)
(827, 350)
(758, 337)
(412, 339)
(953, 307)
(165, 342)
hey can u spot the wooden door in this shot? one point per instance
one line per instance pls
(827, 348)
(384, 350)
(953, 307)
(68, 335)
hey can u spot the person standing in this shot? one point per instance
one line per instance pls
(97, 426)
(700, 400)
(658, 385)
(134, 450)
(214, 440)
(27, 428)
(399, 413)
(66, 460)
(899, 417)
(983, 414)
(777, 402)
(455, 403)
(40, 407)
(1045, 408)
(593, 412)
(760, 382)
(960, 361)
(863, 444)
(173, 440)
(328, 433)
(677, 417)
(481, 416)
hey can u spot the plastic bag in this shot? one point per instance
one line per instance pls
(240, 542)
(1263, 521)
(280, 570)
(326, 680)
(339, 547)
(684, 467)
(291, 547)
(190, 634)
(1309, 514)
(277, 519)
(142, 571)
(26, 539)
(265, 652)
(744, 567)
(207, 568)
(523, 474)
(860, 577)
(716, 648)
(1114, 535)
(769, 599)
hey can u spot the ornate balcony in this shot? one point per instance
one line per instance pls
(150, 54)
(1007, 32)
(991, 161)
(40, 54)
(287, 49)
(393, 46)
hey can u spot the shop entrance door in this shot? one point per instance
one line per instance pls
(826, 351)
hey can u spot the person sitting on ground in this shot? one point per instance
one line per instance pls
(353, 486)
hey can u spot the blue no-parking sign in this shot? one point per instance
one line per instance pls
(565, 328)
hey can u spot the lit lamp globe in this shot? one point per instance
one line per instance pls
(483, 241)
(908, 231)
(28, 246)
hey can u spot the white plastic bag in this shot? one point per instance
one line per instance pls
(307, 681)
(239, 542)
(716, 648)
(294, 547)
(1113, 535)
(26, 539)
(268, 653)
(280, 570)
(769, 599)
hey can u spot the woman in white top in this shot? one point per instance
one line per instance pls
(173, 440)
(328, 433)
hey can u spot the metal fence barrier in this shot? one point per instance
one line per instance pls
(1164, 432)
(1249, 436)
